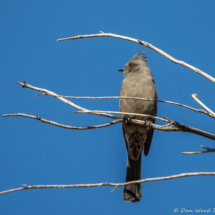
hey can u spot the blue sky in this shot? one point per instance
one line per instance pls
(35, 153)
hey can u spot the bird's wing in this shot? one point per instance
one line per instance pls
(150, 134)
(148, 141)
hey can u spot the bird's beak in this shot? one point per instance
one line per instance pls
(121, 70)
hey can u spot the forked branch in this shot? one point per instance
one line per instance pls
(200, 152)
(171, 126)
(196, 98)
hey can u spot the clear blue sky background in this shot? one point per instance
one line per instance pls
(35, 153)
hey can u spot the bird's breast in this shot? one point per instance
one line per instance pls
(141, 87)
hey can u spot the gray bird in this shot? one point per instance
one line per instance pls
(138, 82)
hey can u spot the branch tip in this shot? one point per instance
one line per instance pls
(204, 147)
(114, 189)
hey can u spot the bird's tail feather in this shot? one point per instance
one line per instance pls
(132, 192)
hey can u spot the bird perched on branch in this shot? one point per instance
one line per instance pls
(138, 82)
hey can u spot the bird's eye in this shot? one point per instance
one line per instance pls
(131, 65)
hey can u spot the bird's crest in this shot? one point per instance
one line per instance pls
(141, 56)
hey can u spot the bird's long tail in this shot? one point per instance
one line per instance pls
(132, 192)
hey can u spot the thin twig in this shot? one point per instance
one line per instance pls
(25, 85)
(196, 98)
(159, 51)
(136, 98)
(124, 113)
(28, 187)
(64, 126)
(200, 152)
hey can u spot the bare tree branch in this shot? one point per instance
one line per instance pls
(172, 126)
(200, 152)
(117, 120)
(28, 187)
(47, 92)
(175, 125)
(136, 98)
(25, 85)
(124, 113)
(196, 98)
(148, 45)
(64, 126)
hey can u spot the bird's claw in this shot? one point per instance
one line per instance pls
(148, 124)
(126, 119)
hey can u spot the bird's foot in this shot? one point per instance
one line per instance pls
(126, 119)
(148, 125)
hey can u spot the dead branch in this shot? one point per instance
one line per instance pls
(64, 126)
(148, 45)
(47, 92)
(200, 152)
(124, 113)
(136, 98)
(196, 98)
(172, 126)
(25, 85)
(182, 175)
(117, 120)
(175, 125)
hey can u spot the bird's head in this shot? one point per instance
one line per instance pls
(135, 64)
